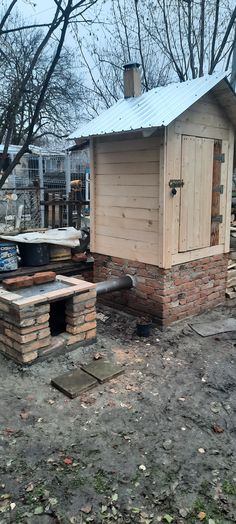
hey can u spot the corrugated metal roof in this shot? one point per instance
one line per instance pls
(34, 150)
(158, 107)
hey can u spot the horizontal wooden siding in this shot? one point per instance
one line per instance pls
(126, 201)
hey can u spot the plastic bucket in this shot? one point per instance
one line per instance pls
(34, 254)
(143, 330)
(8, 257)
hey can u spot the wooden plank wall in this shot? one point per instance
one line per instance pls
(127, 197)
(205, 119)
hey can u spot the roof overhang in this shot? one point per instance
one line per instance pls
(226, 97)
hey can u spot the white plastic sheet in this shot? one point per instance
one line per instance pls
(66, 236)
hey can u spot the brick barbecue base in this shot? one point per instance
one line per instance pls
(166, 294)
(25, 333)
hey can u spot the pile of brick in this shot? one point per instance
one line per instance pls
(231, 280)
(37, 279)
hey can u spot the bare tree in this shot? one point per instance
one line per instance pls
(62, 101)
(196, 36)
(20, 88)
(171, 39)
(118, 37)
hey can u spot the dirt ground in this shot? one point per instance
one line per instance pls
(156, 444)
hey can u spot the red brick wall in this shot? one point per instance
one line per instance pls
(167, 294)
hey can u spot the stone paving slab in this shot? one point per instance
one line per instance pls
(74, 383)
(207, 329)
(103, 370)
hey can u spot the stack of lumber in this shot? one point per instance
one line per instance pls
(231, 280)
(231, 276)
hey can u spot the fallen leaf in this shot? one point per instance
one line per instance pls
(53, 501)
(201, 515)
(9, 431)
(215, 407)
(39, 510)
(97, 356)
(68, 461)
(217, 429)
(29, 488)
(168, 518)
(130, 387)
(24, 414)
(85, 399)
(86, 509)
(111, 404)
(4, 506)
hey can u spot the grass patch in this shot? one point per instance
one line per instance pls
(229, 488)
(101, 482)
(37, 494)
(210, 507)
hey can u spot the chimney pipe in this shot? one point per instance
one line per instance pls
(132, 80)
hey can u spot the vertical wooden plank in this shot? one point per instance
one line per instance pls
(229, 189)
(92, 195)
(160, 231)
(60, 214)
(224, 174)
(46, 210)
(166, 203)
(216, 181)
(207, 152)
(177, 152)
(198, 195)
(70, 210)
(187, 193)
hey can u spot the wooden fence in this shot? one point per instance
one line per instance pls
(61, 211)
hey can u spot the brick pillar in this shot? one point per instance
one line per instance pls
(81, 317)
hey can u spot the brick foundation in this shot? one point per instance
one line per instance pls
(167, 294)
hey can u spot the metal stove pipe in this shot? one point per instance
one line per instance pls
(115, 284)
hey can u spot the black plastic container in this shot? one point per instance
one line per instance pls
(143, 330)
(34, 254)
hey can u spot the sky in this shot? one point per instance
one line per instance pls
(42, 11)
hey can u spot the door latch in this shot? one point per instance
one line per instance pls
(174, 184)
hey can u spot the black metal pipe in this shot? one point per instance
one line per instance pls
(115, 284)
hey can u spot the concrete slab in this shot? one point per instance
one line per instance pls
(207, 329)
(103, 370)
(74, 383)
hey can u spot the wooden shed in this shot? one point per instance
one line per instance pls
(161, 174)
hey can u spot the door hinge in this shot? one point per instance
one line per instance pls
(220, 158)
(218, 219)
(219, 189)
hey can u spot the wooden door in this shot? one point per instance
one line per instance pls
(196, 193)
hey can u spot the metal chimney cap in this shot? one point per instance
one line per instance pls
(131, 65)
